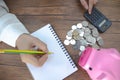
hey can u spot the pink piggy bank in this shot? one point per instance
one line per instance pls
(101, 64)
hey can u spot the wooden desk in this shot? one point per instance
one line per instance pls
(61, 14)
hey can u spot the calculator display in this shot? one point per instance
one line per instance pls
(102, 23)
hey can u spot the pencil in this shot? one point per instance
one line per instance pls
(22, 51)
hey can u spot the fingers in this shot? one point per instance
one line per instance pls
(84, 3)
(41, 46)
(29, 42)
(27, 58)
(31, 59)
(43, 59)
(91, 3)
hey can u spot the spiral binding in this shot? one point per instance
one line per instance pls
(62, 46)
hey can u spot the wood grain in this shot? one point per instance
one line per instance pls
(62, 14)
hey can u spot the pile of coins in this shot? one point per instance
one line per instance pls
(82, 35)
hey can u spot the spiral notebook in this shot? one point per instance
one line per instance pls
(59, 64)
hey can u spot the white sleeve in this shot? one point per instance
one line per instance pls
(10, 27)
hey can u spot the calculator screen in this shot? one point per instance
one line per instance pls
(102, 23)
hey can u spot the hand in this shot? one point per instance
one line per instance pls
(28, 42)
(88, 4)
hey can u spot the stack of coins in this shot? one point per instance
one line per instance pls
(83, 35)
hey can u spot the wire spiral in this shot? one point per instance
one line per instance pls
(62, 46)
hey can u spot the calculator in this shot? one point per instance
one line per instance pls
(97, 19)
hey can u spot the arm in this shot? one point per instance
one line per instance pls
(14, 33)
(10, 27)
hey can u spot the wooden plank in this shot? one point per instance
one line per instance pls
(71, 12)
(14, 73)
(59, 22)
(38, 3)
(21, 73)
(11, 59)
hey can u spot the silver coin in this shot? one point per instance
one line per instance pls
(90, 26)
(83, 42)
(95, 32)
(78, 30)
(86, 35)
(85, 23)
(81, 34)
(91, 39)
(77, 37)
(95, 46)
(87, 30)
(82, 48)
(68, 37)
(79, 25)
(66, 42)
(98, 38)
(74, 27)
(72, 41)
(77, 45)
(69, 33)
(100, 41)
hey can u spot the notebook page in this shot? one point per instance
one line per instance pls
(58, 66)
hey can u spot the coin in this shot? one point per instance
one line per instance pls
(91, 39)
(91, 26)
(100, 41)
(85, 23)
(81, 34)
(68, 37)
(83, 42)
(86, 35)
(82, 48)
(95, 46)
(66, 42)
(79, 25)
(77, 37)
(69, 33)
(95, 32)
(74, 27)
(75, 32)
(72, 41)
(87, 30)
(77, 45)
